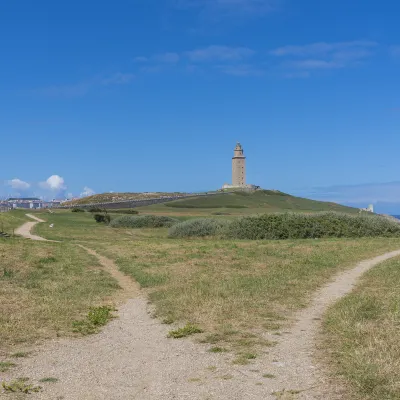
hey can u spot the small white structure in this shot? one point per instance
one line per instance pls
(370, 209)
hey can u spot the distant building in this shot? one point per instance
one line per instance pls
(238, 170)
(30, 203)
(370, 208)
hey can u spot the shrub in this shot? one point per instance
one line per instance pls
(124, 211)
(77, 209)
(304, 226)
(144, 221)
(105, 218)
(198, 227)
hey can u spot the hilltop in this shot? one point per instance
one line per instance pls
(238, 202)
(116, 197)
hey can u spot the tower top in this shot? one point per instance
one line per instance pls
(238, 151)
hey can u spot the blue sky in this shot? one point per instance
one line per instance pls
(152, 95)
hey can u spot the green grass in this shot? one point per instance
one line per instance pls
(6, 365)
(96, 318)
(20, 386)
(185, 331)
(363, 335)
(43, 287)
(269, 201)
(48, 380)
(11, 220)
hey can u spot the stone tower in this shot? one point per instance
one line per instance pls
(238, 167)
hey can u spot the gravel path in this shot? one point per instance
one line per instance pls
(132, 358)
(25, 229)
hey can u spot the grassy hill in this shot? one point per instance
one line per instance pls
(235, 203)
(115, 197)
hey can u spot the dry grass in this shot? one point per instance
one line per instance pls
(235, 290)
(362, 331)
(43, 288)
(231, 289)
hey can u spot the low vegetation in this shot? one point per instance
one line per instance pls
(289, 226)
(185, 331)
(198, 228)
(266, 200)
(102, 218)
(96, 318)
(20, 385)
(235, 290)
(11, 220)
(115, 197)
(311, 226)
(144, 221)
(363, 335)
(45, 286)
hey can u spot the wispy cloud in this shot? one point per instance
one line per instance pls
(18, 184)
(118, 79)
(219, 9)
(140, 59)
(80, 89)
(364, 194)
(219, 53)
(168, 58)
(394, 51)
(240, 70)
(322, 48)
(322, 55)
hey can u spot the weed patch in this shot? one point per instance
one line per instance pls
(20, 385)
(187, 330)
(6, 365)
(97, 317)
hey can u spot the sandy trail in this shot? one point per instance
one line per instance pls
(132, 358)
(25, 229)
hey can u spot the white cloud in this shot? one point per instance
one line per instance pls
(54, 182)
(219, 53)
(80, 89)
(169, 58)
(240, 70)
(87, 192)
(322, 55)
(322, 48)
(118, 78)
(18, 184)
(140, 59)
(216, 9)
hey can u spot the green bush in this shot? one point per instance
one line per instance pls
(198, 228)
(124, 211)
(77, 209)
(105, 218)
(144, 221)
(304, 226)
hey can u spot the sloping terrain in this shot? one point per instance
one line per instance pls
(116, 197)
(265, 200)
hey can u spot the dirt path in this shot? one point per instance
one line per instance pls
(132, 358)
(25, 229)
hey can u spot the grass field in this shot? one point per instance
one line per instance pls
(43, 288)
(362, 332)
(12, 220)
(234, 290)
(242, 203)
